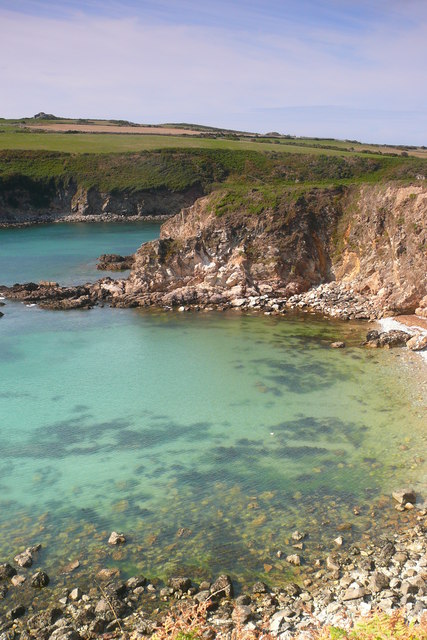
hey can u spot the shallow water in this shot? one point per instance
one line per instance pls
(206, 438)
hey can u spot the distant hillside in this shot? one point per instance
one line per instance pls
(85, 135)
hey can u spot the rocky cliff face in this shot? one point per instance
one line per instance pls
(201, 258)
(367, 243)
(383, 245)
(69, 202)
(369, 240)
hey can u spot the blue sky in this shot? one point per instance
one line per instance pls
(341, 68)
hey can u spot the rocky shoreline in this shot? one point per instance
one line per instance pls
(79, 218)
(387, 574)
(356, 255)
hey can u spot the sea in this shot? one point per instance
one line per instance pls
(207, 438)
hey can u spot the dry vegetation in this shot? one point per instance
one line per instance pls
(190, 622)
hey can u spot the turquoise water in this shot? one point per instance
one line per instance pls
(66, 253)
(206, 438)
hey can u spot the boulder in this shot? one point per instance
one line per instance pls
(417, 343)
(116, 538)
(241, 614)
(278, 621)
(353, 593)
(6, 571)
(179, 584)
(24, 559)
(402, 496)
(114, 262)
(222, 587)
(378, 582)
(388, 339)
(40, 580)
(259, 587)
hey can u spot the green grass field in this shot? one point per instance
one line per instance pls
(14, 135)
(119, 143)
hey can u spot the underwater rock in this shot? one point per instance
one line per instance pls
(40, 580)
(71, 566)
(24, 559)
(16, 612)
(338, 345)
(297, 536)
(116, 538)
(107, 574)
(6, 571)
(294, 559)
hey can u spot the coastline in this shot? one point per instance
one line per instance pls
(70, 219)
(386, 575)
(351, 579)
(94, 609)
(412, 324)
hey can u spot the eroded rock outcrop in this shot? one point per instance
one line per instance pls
(114, 262)
(203, 258)
(368, 242)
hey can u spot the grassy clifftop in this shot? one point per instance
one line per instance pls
(179, 169)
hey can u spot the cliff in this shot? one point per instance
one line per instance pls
(369, 240)
(73, 203)
(382, 245)
(267, 236)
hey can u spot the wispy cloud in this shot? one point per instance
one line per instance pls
(142, 61)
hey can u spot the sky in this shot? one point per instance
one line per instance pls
(351, 69)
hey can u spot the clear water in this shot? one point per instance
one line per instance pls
(66, 253)
(206, 438)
